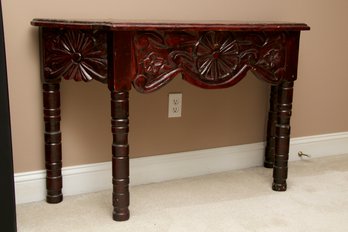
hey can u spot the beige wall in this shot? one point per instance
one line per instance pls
(210, 118)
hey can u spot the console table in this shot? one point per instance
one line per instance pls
(148, 55)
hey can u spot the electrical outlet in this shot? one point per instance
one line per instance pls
(174, 105)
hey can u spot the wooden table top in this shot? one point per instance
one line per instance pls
(119, 25)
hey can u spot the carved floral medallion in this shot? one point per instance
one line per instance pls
(76, 55)
(216, 56)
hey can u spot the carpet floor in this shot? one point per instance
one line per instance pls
(238, 201)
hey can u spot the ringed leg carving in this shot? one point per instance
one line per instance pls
(53, 145)
(68, 54)
(282, 135)
(120, 158)
(272, 120)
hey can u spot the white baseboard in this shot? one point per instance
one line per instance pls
(30, 186)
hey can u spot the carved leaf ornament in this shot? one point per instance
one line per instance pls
(76, 55)
(207, 59)
(212, 59)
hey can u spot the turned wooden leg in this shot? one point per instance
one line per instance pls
(272, 119)
(282, 135)
(120, 158)
(53, 145)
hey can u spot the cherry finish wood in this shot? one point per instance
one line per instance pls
(147, 56)
(210, 60)
(152, 25)
(53, 144)
(282, 135)
(271, 126)
(120, 158)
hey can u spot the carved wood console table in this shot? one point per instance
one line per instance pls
(148, 56)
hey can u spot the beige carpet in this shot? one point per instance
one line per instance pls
(238, 201)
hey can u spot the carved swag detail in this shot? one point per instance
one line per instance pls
(75, 54)
(207, 59)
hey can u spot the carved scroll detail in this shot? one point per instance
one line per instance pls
(207, 59)
(75, 54)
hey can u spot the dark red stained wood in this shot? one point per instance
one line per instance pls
(271, 124)
(211, 60)
(120, 158)
(282, 135)
(169, 25)
(80, 55)
(149, 55)
(53, 145)
(284, 109)
(121, 57)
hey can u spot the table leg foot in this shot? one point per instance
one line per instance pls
(54, 199)
(120, 216)
(279, 187)
(268, 164)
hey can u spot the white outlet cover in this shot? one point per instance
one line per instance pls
(174, 105)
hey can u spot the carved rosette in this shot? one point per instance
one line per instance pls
(75, 54)
(210, 59)
(216, 56)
